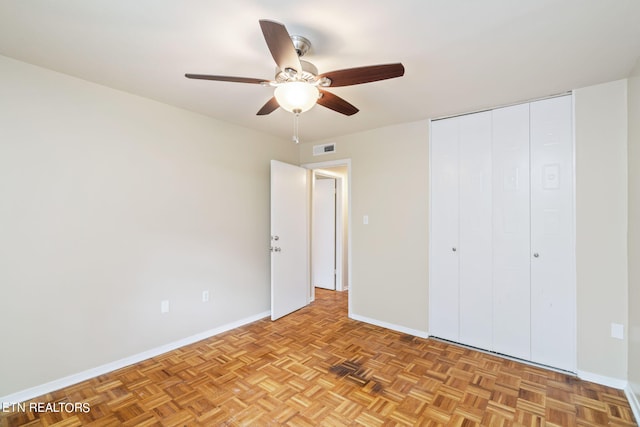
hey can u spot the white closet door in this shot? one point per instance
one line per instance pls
(476, 296)
(511, 263)
(443, 268)
(552, 228)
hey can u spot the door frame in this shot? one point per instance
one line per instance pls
(317, 167)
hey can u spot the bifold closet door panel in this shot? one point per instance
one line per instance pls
(511, 213)
(475, 230)
(552, 228)
(443, 268)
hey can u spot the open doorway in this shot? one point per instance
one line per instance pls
(324, 174)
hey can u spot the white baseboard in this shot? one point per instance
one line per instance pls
(67, 381)
(618, 383)
(615, 383)
(633, 402)
(397, 328)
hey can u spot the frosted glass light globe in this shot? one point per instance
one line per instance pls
(296, 97)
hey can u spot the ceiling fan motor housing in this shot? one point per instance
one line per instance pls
(301, 45)
(309, 74)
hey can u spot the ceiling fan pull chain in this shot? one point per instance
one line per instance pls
(296, 116)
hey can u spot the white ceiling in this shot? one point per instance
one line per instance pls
(459, 55)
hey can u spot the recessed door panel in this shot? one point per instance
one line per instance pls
(511, 263)
(475, 251)
(443, 268)
(552, 228)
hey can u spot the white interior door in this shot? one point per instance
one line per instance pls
(443, 268)
(475, 249)
(511, 262)
(552, 228)
(323, 247)
(289, 239)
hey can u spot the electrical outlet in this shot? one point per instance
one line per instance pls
(164, 306)
(205, 296)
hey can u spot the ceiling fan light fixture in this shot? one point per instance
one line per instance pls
(298, 86)
(297, 97)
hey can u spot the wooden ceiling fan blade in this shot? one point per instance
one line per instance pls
(280, 45)
(336, 103)
(367, 74)
(226, 78)
(269, 107)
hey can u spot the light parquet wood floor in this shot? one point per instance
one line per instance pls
(316, 367)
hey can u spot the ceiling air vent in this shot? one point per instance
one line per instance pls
(319, 150)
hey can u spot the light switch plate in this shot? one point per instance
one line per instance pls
(617, 331)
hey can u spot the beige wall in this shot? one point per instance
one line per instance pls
(601, 227)
(634, 230)
(110, 203)
(389, 178)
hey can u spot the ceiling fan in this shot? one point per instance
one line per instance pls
(298, 86)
